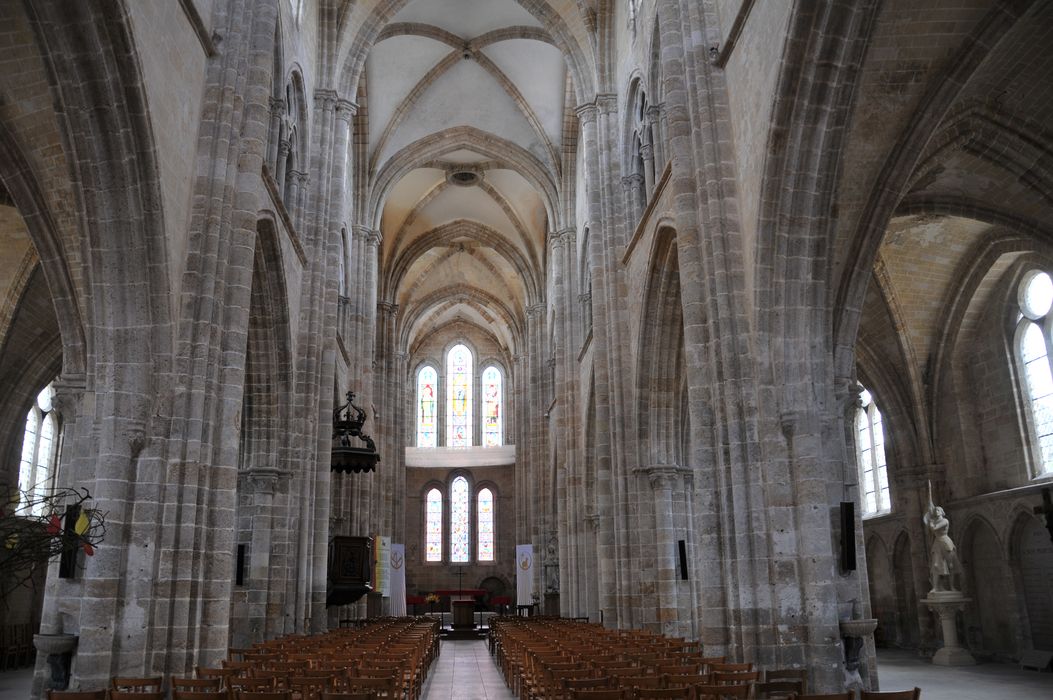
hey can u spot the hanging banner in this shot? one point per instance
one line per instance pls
(524, 574)
(397, 584)
(383, 566)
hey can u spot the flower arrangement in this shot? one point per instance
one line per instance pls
(431, 598)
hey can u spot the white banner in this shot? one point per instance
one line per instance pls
(383, 565)
(524, 574)
(397, 580)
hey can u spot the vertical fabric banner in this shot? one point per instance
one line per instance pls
(524, 574)
(397, 584)
(383, 566)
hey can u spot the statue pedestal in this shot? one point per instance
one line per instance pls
(946, 604)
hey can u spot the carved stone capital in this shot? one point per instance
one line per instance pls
(284, 146)
(585, 298)
(374, 239)
(388, 308)
(654, 113)
(345, 109)
(647, 151)
(325, 99)
(535, 310)
(277, 106)
(69, 390)
(587, 113)
(607, 102)
(661, 476)
(263, 480)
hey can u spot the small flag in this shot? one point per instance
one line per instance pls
(82, 524)
(54, 524)
(88, 549)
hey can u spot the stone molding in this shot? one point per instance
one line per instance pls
(264, 480)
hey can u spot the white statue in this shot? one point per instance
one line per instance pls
(944, 566)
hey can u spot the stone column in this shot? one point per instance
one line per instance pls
(284, 148)
(647, 153)
(277, 106)
(664, 478)
(654, 120)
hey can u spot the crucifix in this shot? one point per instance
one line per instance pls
(460, 575)
(1046, 509)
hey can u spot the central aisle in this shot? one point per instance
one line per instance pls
(465, 671)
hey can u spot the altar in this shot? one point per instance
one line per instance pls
(462, 603)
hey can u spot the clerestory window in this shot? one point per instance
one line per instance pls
(39, 453)
(870, 446)
(1035, 299)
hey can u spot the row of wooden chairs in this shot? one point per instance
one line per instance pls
(564, 660)
(385, 660)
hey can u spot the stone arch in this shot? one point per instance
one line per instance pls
(453, 294)
(661, 365)
(358, 30)
(908, 634)
(882, 588)
(989, 627)
(395, 273)
(28, 198)
(1031, 556)
(899, 167)
(502, 152)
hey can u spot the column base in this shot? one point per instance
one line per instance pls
(953, 656)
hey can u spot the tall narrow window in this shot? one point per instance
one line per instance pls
(485, 520)
(427, 433)
(459, 397)
(433, 528)
(492, 428)
(460, 529)
(870, 443)
(1036, 298)
(38, 452)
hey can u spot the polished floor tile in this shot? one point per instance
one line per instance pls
(465, 671)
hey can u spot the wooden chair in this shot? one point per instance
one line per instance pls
(891, 695)
(730, 668)
(619, 694)
(664, 693)
(76, 695)
(679, 669)
(381, 687)
(735, 677)
(307, 687)
(719, 692)
(349, 695)
(779, 690)
(788, 674)
(199, 694)
(847, 695)
(222, 673)
(196, 684)
(671, 680)
(639, 681)
(137, 695)
(136, 684)
(263, 695)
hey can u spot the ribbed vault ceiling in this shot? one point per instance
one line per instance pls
(455, 91)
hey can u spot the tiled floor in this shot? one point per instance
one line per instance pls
(465, 671)
(903, 670)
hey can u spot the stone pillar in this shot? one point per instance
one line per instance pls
(277, 106)
(654, 121)
(284, 148)
(665, 478)
(647, 153)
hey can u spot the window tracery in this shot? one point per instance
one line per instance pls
(39, 450)
(485, 524)
(433, 526)
(492, 397)
(427, 428)
(460, 528)
(1035, 299)
(459, 397)
(870, 448)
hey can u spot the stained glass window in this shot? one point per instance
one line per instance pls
(433, 528)
(491, 407)
(427, 434)
(459, 397)
(1036, 299)
(460, 528)
(38, 449)
(870, 443)
(485, 520)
